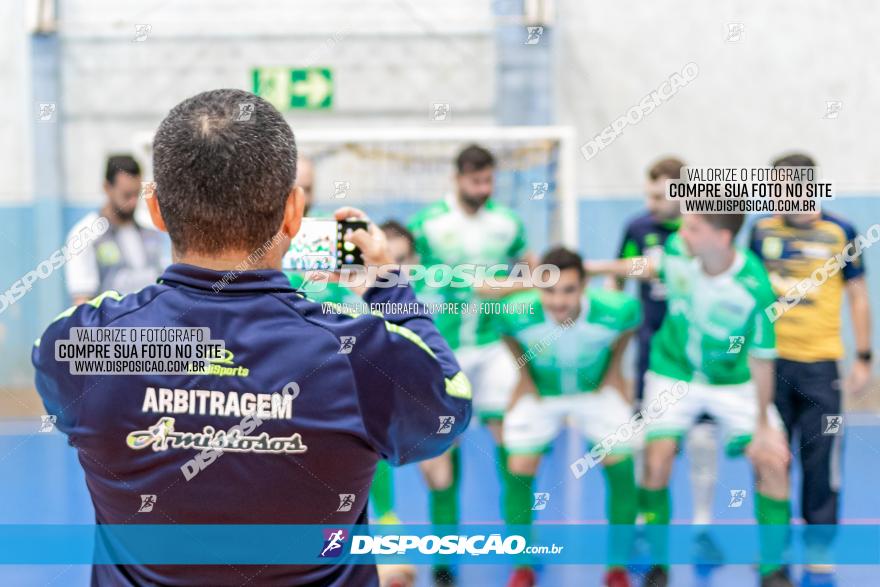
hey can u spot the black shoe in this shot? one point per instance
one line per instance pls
(658, 577)
(444, 577)
(778, 578)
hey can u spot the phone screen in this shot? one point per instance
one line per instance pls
(320, 246)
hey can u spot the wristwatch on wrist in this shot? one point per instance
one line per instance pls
(864, 356)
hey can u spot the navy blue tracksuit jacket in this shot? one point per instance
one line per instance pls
(384, 399)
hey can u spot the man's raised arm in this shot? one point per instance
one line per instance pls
(413, 395)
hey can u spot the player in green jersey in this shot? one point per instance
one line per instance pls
(718, 341)
(468, 228)
(568, 342)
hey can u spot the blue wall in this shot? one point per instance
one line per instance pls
(601, 223)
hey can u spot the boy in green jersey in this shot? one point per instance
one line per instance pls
(717, 341)
(568, 342)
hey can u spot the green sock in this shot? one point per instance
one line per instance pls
(772, 512)
(443, 503)
(621, 502)
(518, 498)
(503, 476)
(654, 503)
(621, 505)
(501, 456)
(382, 490)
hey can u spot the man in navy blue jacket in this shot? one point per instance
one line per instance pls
(308, 400)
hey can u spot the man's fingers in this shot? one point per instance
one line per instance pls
(370, 241)
(319, 276)
(375, 231)
(349, 212)
(361, 239)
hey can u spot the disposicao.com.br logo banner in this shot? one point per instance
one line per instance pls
(206, 544)
(411, 545)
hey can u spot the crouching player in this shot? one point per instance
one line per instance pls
(716, 338)
(568, 342)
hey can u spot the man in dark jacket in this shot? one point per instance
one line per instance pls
(301, 403)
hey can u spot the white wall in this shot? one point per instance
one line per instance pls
(752, 100)
(390, 64)
(17, 108)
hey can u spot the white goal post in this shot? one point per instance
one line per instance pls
(311, 141)
(419, 159)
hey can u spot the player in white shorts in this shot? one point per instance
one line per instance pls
(468, 228)
(568, 342)
(490, 367)
(735, 407)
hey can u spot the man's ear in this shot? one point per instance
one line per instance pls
(293, 211)
(155, 212)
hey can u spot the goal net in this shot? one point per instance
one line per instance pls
(393, 173)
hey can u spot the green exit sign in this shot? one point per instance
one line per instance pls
(307, 88)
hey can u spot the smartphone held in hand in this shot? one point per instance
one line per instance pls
(320, 245)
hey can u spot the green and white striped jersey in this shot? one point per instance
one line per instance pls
(714, 322)
(446, 235)
(570, 357)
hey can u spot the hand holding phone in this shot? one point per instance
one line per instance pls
(323, 244)
(369, 240)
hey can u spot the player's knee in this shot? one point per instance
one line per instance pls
(438, 472)
(439, 480)
(496, 430)
(658, 463)
(655, 476)
(769, 468)
(760, 456)
(773, 484)
(772, 474)
(523, 464)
